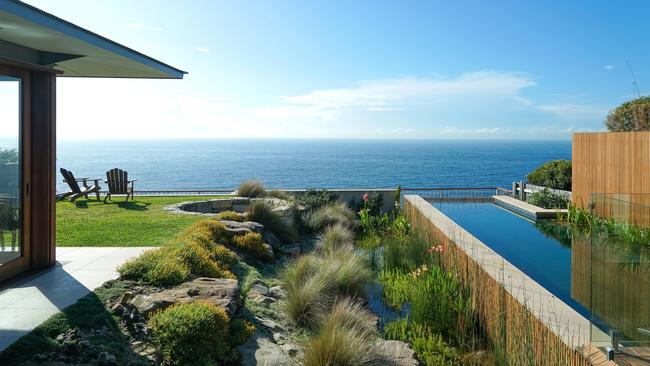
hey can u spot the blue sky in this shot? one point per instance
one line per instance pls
(361, 69)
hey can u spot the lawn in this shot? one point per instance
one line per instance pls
(143, 222)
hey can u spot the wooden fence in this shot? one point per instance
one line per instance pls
(613, 163)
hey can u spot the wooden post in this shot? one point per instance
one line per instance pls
(43, 166)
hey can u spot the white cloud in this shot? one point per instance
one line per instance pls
(144, 27)
(491, 131)
(203, 49)
(392, 93)
(608, 67)
(484, 104)
(575, 110)
(395, 131)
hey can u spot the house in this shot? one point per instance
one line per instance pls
(36, 48)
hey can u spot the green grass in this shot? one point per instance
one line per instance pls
(142, 222)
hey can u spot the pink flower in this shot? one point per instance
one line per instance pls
(440, 249)
(365, 197)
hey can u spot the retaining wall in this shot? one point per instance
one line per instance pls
(523, 320)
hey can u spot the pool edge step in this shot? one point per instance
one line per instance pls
(526, 209)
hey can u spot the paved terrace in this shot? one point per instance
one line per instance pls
(26, 303)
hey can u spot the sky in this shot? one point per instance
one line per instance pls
(359, 69)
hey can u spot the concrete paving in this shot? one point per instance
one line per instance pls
(526, 209)
(27, 303)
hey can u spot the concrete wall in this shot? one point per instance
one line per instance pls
(519, 316)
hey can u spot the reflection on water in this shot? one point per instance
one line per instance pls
(378, 306)
(605, 278)
(612, 278)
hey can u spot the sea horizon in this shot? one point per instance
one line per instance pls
(223, 163)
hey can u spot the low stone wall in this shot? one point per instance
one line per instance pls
(211, 208)
(348, 195)
(523, 320)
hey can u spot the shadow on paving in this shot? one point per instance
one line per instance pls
(89, 317)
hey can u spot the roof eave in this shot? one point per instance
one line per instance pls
(45, 19)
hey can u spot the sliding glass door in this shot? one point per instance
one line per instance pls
(13, 254)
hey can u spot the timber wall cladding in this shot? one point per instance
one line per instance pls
(613, 163)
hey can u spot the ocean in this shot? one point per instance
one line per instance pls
(303, 163)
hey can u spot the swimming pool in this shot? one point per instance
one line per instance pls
(544, 258)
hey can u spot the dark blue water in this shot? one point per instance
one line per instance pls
(211, 164)
(520, 242)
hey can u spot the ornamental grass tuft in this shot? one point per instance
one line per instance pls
(332, 214)
(251, 189)
(313, 283)
(262, 213)
(345, 336)
(335, 237)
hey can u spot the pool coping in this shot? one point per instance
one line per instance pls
(570, 326)
(526, 209)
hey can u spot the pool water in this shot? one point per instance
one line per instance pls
(521, 242)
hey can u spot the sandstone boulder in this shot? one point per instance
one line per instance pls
(395, 353)
(259, 349)
(218, 291)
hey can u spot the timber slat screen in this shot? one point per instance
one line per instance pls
(612, 163)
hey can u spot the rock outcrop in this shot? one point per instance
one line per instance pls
(395, 353)
(218, 291)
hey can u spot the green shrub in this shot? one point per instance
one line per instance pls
(330, 215)
(230, 215)
(407, 254)
(138, 267)
(226, 257)
(194, 251)
(314, 199)
(197, 259)
(554, 174)
(335, 237)
(440, 302)
(400, 228)
(633, 115)
(547, 199)
(8, 155)
(211, 235)
(253, 244)
(429, 347)
(240, 331)
(212, 229)
(262, 213)
(156, 267)
(168, 272)
(279, 194)
(345, 337)
(191, 334)
(397, 287)
(252, 189)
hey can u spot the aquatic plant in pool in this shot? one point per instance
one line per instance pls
(433, 309)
